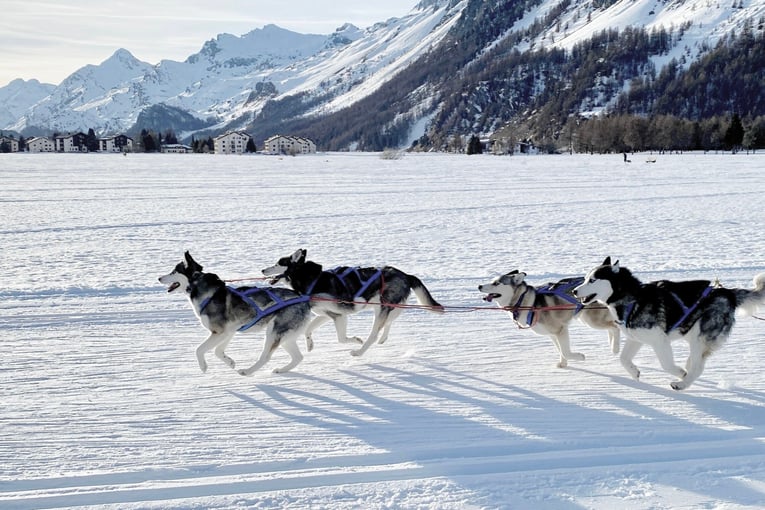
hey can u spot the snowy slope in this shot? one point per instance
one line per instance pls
(19, 95)
(219, 80)
(90, 97)
(708, 21)
(103, 404)
(361, 68)
(111, 95)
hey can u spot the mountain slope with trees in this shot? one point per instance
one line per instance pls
(596, 75)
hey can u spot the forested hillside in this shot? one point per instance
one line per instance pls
(548, 95)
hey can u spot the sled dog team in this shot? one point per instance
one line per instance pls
(609, 297)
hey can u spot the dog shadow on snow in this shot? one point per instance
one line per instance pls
(454, 423)
(741, 407)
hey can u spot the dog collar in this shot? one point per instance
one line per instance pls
(516, 309)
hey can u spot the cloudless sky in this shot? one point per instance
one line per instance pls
(48, 40)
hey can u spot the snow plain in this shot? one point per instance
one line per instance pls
(102, 403)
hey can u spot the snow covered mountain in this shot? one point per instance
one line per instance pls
(233, 76)
(272, 78)
(19, 95)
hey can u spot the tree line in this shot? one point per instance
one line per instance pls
(629, 133)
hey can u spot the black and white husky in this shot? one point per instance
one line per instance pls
(342, 291)
(224, 311)
(549, 309)
(657, 313)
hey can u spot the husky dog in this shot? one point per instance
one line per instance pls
(548, 310)
(225, 310)
(342, 291)
(657, 313)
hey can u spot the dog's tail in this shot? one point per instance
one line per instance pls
(749, 300)
(423, 295)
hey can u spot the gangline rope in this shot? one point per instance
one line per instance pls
(454, 308)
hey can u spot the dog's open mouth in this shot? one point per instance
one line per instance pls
(276, 279)
(491, 296)
(173, 286)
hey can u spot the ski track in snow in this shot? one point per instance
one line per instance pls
(103, 403)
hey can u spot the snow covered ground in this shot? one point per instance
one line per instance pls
(102, 402)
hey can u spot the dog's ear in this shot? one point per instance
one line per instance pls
(299, 256)
(615, 267)
(191, 263)
(607, 262)
(516, 277)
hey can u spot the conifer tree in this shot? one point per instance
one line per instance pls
(734, 136)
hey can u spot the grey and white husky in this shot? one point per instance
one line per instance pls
(549, 309)
(657, 313)
(342, 291)
(224, 311)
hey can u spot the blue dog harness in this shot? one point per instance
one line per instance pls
(559, 289)
(687, 310)
(260, 313)
(342, 273)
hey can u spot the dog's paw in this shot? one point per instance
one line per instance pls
(203, 366)
(357, 352)
(562, 364)
(243, 372)
(229, 361)
(678, 385)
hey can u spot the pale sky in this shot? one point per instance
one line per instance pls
(49, 40)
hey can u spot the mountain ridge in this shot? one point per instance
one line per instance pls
(271, 79)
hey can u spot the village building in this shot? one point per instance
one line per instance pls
(175, 148)
(71, 143)
(292, 145)
(116, 143)
(508, 146)
(40, 144)
(232, 142)
(8, 144)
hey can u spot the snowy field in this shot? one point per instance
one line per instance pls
(102, 403)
